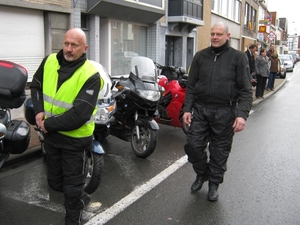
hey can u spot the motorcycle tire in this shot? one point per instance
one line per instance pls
(43, 149)
(100, 137)
(147, 143)
(94, 170)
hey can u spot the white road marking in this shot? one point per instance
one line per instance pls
(121, 205)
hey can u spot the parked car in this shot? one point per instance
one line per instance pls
(295, 57)
(288, 60)
(282, 72)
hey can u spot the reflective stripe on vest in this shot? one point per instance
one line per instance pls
(57, 102)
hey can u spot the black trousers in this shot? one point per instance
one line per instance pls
(66, 174)
(211, 125)
(260, 86)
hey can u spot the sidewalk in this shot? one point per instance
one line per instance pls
(279, 83)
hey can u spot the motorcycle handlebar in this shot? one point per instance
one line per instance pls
(178, 70)
(172, 68)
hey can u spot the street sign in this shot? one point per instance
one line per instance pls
(271, 36)
(262, 29)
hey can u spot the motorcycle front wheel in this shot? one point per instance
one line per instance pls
(145, 145)
(93, 171)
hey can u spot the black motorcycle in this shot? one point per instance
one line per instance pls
(14, 134)
(135, 99)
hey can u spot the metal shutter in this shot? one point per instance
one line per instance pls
(22, 37)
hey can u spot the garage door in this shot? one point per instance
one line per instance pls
(22, 37)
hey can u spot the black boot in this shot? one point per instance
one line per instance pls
(213, 192)
(197, 185)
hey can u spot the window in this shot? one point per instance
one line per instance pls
(237, 14)
(254, 20)
(128, 40)
(250, 18)
(246, 14)
(227, 8)
(84, 21)
(224, 7)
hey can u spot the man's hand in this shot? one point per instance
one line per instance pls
(239, 124)
(43, 127)
(39, 119)
(187, 118)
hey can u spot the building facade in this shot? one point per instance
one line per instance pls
(169, 32)
(163, 30)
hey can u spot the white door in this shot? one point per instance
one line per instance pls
(22, 37)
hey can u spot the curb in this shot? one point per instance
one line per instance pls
(256, 102)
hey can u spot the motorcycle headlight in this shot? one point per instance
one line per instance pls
(150, 95)
(104, 112)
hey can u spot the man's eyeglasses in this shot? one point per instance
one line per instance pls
(73, 46)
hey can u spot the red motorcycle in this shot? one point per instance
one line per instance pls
(172, 81)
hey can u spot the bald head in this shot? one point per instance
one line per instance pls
(77, 33)
(74, 44)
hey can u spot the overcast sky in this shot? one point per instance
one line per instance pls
(287, 9)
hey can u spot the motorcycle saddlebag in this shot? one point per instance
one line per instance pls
(17, 137)
(13, 79)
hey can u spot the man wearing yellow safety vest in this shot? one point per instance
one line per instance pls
(64, 92)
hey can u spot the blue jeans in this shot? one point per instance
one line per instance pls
(271, 80)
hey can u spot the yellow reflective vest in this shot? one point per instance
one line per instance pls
(57, 102)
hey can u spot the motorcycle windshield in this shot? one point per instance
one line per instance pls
(143, 68)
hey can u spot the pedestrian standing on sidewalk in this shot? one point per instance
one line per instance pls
(251, 51)
(262, 66)
(274, 69)
(271, 50)
(219, 94)
(64, 92)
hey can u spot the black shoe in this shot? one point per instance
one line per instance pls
(213, 192)
(197, 185)
(86, 199)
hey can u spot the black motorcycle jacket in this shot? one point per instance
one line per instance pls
(220, 77)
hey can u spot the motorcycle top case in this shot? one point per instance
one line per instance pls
(13, 79)
(17, 137)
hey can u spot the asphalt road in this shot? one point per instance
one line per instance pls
(260, 187)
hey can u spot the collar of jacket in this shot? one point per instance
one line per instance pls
(221, 48)
(67, 68)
